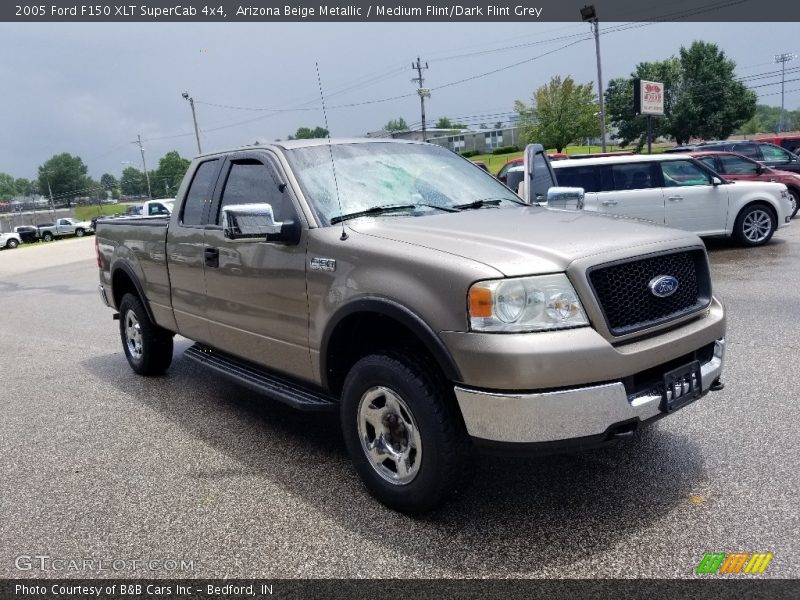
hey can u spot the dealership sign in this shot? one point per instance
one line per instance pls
(648, 97)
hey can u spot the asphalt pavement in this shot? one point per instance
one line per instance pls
(190, 475)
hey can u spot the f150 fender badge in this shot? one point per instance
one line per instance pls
(663, 286)
(323, 264)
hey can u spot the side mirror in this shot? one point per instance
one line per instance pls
(759, 169)
(716, 181)
(565, 198)
(257, 222)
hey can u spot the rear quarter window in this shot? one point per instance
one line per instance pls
(198, 197)
(586, 177)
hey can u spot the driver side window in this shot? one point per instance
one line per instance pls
(253, 182)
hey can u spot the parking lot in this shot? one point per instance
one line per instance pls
(100, 463)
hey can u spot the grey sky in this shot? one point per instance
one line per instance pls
(88, 89)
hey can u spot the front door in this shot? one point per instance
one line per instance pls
(692, 201)
(257, 305)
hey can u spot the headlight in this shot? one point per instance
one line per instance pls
(525, 304)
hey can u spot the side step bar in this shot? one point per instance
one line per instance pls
(256, 378)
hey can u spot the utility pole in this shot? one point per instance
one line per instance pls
(422, 91)
(186, 96)
(589, 14)
(50, 190)
(783, 59)
(144, 165)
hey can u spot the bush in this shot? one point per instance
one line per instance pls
(506, 149)
(469, 153)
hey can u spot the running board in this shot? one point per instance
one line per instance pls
(256, 378)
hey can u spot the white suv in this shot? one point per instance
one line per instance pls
(679, 191)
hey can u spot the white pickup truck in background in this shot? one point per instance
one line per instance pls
(64, 227)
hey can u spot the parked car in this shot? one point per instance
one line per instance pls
(737, 167)
(481, 164)
(502, 174)
(27, 233)
(769, 155)
(679, 191)
(64, 227)
(9, 240)
(787, 142)
(419, 298)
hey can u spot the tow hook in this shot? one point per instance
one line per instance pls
(716, 385)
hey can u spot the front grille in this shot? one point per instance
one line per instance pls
(628, 304)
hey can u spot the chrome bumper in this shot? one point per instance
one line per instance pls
(564, 414)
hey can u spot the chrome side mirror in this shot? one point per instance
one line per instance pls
(241, 221)
(716, 181)
(565, 198)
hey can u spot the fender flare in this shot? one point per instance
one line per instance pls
(136, 284)
(400, 313)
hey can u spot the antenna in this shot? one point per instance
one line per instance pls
(330, 149)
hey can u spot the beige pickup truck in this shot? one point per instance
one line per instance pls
(406, 288)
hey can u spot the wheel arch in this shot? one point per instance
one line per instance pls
(123, 281)
(351, 333)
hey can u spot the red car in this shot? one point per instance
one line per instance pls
(502, 174)
(734, 166)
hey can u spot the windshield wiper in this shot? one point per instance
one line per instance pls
(379, 210)
(480, 203)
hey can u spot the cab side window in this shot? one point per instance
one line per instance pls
(736, 166)
(634, 176)
(774, 154)
(680, 173)
(748, 150)
(199, 195)
(253, 182)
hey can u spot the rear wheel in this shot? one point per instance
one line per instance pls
(147, 346)
(404, 433)
(12, 243)
(794, 196)
(79, 232)
(47, 236)
(755, 225)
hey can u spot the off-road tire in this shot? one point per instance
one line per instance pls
(447, 456)
(152, 355)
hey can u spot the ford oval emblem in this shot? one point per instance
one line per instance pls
(663, 286)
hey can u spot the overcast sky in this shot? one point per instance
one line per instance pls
(89, 89)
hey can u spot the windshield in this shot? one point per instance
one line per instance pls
(378, 174)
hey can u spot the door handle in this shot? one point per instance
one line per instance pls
(609, 202)
(212, 257)
(675, 198)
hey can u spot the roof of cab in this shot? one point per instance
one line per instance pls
(294, 144)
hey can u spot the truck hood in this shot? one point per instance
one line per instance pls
(529, 240)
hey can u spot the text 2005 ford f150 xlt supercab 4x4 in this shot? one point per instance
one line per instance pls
(405, 287)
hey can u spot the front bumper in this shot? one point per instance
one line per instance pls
(592, 413)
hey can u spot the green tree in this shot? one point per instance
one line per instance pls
(109, 182)
(563, 112)
(304, 133)
(445, 123)
(133, 182)
(25, 187)
(8, 186)
(398, 124)
(169, 174)
(711, 103)
(66, 175)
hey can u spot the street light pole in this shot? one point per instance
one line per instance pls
(783, 59)
(186, 96)
(589, 14)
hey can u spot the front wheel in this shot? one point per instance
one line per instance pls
(11, 244)
(79, 232)
(794, 196)
(404, 434)
(755, 225)
(147, 346)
